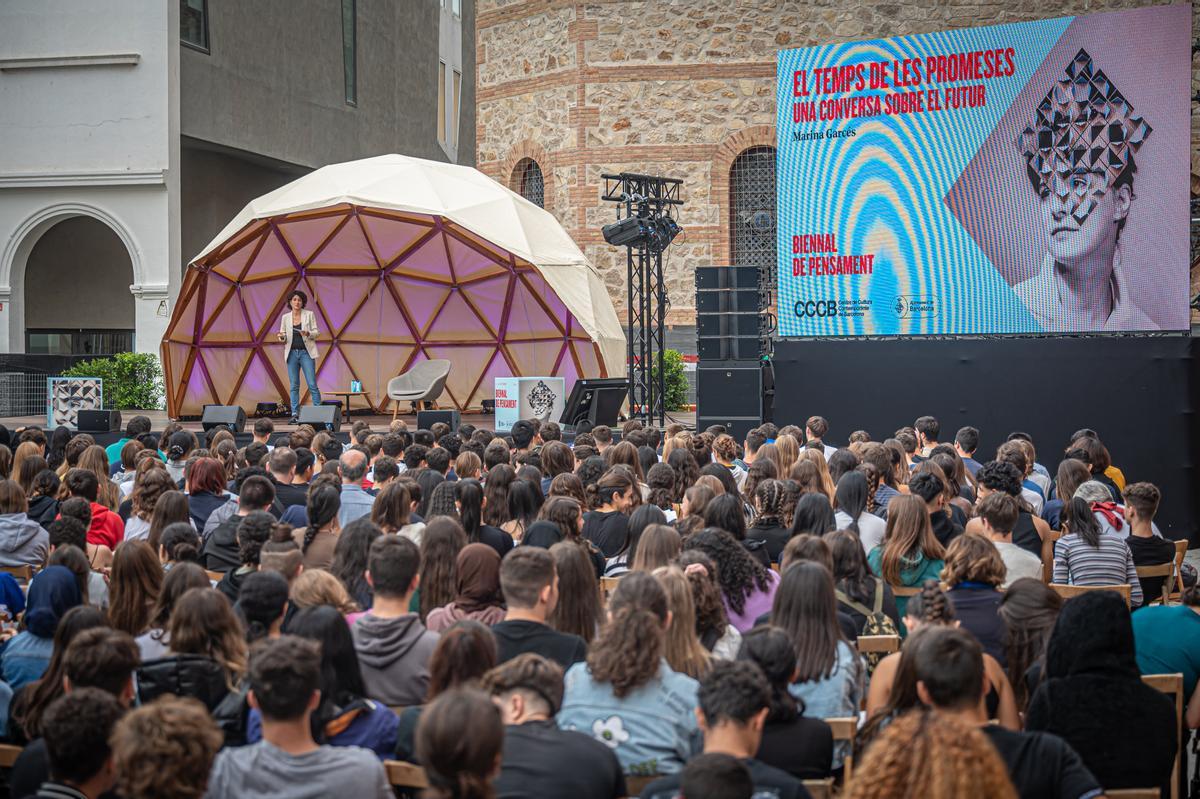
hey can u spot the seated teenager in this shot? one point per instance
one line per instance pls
(625, 695)
(892, 690)
(179, 580)
(25, 656)
(165, 749)
(1141, 503)
(734, 701)
(460, 742)
(1030, 529)
(1087, 555)
(393, 645)
(1094, 698)
(77, 727)
(948, 665)
(997, 517)
(221, 548)
(768, 524)
(252, 531)
(262, 605)
(798, 744)
(285, 688)
(713, 629)
(346, 716)
(608, 525)
(99, 658)
(747, 587)
(973, 574)
(106, 528)
(909, 554)
(868, 600)
(23, 542)
(529, 581)
(477, 590)
(851, 498)
(539, 758)
(931, 488)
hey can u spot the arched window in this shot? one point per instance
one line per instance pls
(752, 204)
(529, 183)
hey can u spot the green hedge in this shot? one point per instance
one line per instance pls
(132, 380)
(676, 380)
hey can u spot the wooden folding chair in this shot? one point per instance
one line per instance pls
(9, 755)
(906, 590)
(216, 577)
(1068, 591)
(1181, 548)
(634, 785)
(884, 644)
(775, 568)
(1161, 570)
(607, 586)
(1048, 555)
(845, 729)
(405, 775)
(1172, 685)
(1133, 793)
(22, 574)
(820, 789)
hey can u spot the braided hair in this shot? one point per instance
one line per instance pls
(931, 605)
(768, 500)
(324, 502)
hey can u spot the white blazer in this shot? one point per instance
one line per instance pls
(308, 322)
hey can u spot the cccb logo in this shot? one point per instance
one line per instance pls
(820, 308)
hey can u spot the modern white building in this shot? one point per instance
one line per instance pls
(131, 131)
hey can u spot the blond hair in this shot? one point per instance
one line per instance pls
(683, 649)
(318, 587)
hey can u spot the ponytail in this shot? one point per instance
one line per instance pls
(931, 605)
(469, 495)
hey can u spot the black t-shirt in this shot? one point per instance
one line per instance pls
(540, 760)
(1043, 766)
(289, 494)
(768, 782)
(1025, 534)
(1152, 551)
(802, 747)
(495, 538)
(518, 637)
(607, 530)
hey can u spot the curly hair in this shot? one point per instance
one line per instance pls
(738, 573)
(711, 621)
(759, 472)
(928, 755)
(627, 651)
(565, 485)
(683, 463)
(165, 750)
(973, 558)
(150, 484)
(661, 479)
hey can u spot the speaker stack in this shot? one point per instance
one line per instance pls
(733, 381)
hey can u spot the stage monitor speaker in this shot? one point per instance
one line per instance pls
(103, 421)
(427, 419)
(232, 416)
(726, 277)
(730, 395)
(322, 416)
(594, 401)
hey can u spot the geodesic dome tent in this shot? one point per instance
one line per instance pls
(403, 259)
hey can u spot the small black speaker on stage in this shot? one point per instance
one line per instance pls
(104, 421)
(328, 417)
(731, 395)
(232, 416)
(426, 419)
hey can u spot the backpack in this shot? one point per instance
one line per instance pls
(877, 622)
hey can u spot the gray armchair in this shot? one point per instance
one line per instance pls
(424, 382)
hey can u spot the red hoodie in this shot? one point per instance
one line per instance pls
(107, 528)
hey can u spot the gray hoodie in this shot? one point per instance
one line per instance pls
(23, 542)
(394, 656)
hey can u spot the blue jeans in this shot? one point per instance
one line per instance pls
(297, 360)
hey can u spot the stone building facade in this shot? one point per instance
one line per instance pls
(569, 90)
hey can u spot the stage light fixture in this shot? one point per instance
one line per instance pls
(627, 232)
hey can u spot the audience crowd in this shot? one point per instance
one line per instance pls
(637, 611)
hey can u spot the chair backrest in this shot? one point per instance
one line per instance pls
(906, 590)
(1133, 793)
(635, 785)
(22, 574)
(1161, 570)
(1048, 554)
(215, 576)
(405, 775)
(885, 644)
(607, 586)
(820, 789)
(9, 755)
(775, 568)
(1172, 685)
(1068, 591)
(424, 372)
(844, 729)
(1181, 548)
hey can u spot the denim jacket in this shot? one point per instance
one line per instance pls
(652, 730)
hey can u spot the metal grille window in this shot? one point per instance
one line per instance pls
(530, 184)
(752, 200)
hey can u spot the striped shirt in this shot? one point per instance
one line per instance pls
(1111, 563)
